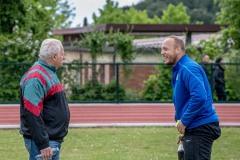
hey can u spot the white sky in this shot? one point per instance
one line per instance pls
(85, 8)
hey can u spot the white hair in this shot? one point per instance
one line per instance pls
(48, 47)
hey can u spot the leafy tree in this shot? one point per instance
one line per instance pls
(85, 21)
(111, 13)
(17, 47)
(207, 7)
(63, 14)
(94, 41)
(122, 44)
(175, 15)
(39, 17)
(97, 41)
(26, 23)
(231, 42)
(152, 7)
(232, 73)
(211, 47)
(133, 16)
(23, 26)
(10, 15)
(230, 15)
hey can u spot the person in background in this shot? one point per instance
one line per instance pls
(219, 81)
(192, 97)
(44, 111)
(205, 60)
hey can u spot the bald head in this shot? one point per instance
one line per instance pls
(173, 49)
(177, 42)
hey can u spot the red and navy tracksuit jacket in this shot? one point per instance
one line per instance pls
(44, 111)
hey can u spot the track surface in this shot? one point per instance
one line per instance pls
(94, 115)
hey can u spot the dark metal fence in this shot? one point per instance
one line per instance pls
(114, 82)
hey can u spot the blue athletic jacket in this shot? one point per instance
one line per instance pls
(192, 94)
(44, 110)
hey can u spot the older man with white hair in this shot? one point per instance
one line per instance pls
(44, 110)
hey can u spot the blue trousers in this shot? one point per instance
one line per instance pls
(33, 150)
(198, 141)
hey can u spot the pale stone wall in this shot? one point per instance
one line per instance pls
(108, 57)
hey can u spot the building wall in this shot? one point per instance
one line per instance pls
(107, 72)
(109, 57)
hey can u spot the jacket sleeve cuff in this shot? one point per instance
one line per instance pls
(184, 123)
(43, 146)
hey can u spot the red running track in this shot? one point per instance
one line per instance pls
(94, 115)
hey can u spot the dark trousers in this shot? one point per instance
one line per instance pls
(221, 94)
(198, 141)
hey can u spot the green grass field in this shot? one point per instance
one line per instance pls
(125, 143)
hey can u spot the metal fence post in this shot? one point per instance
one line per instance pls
(117, 83)
(22, 68)
(212, 79)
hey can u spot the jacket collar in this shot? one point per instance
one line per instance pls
(53, 68)
(181, 61)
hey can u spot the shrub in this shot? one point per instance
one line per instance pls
(95, 91)
(158, 86)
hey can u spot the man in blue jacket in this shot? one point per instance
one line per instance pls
(192, 98)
